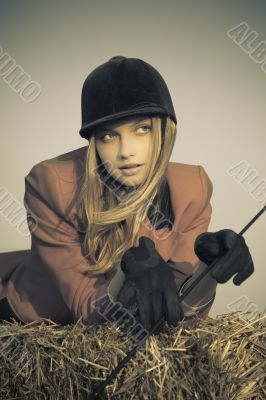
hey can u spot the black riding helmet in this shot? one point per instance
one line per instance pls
(122, 87)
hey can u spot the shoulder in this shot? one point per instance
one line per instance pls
(190, 178)
(55, 181)
(65, 169)
(68, 167)
(191, 190)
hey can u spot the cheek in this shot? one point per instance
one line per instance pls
(147, 145)
(107, 157)
(101, 152)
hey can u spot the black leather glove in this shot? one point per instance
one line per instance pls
(150, 282)
(232, 252)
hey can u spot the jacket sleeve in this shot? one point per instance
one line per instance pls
(197, 216)
(57, 243)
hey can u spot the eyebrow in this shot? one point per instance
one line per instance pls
(132, 123)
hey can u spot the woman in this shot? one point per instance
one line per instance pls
(134, 235)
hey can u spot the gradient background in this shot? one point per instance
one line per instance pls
(218, 91)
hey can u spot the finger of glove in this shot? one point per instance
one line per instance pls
(144, 309)
(141, 263)
(229, 238)
(146, 243)
(126, 294)
(243, 275)
(226, 266)
(141, 252)
(157, 305)
(207, 247)
(171, 304)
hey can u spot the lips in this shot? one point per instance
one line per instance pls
(131, 166)
(131, 171)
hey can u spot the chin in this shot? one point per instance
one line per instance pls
(129, 182)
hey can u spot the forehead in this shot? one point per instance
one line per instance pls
(123, 121)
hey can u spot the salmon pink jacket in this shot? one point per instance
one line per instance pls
(53, 279)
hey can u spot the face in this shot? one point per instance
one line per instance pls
(123, 143)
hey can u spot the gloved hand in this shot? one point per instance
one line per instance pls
(150, 282)
(232, 252)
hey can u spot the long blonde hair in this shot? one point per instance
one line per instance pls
(113, 225)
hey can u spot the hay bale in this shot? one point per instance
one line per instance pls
(222, 358)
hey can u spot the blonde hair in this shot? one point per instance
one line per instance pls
(113, 226)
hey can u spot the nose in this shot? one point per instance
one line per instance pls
(126, 147)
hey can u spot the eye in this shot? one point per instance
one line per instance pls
(103, 137)
(145, 126)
